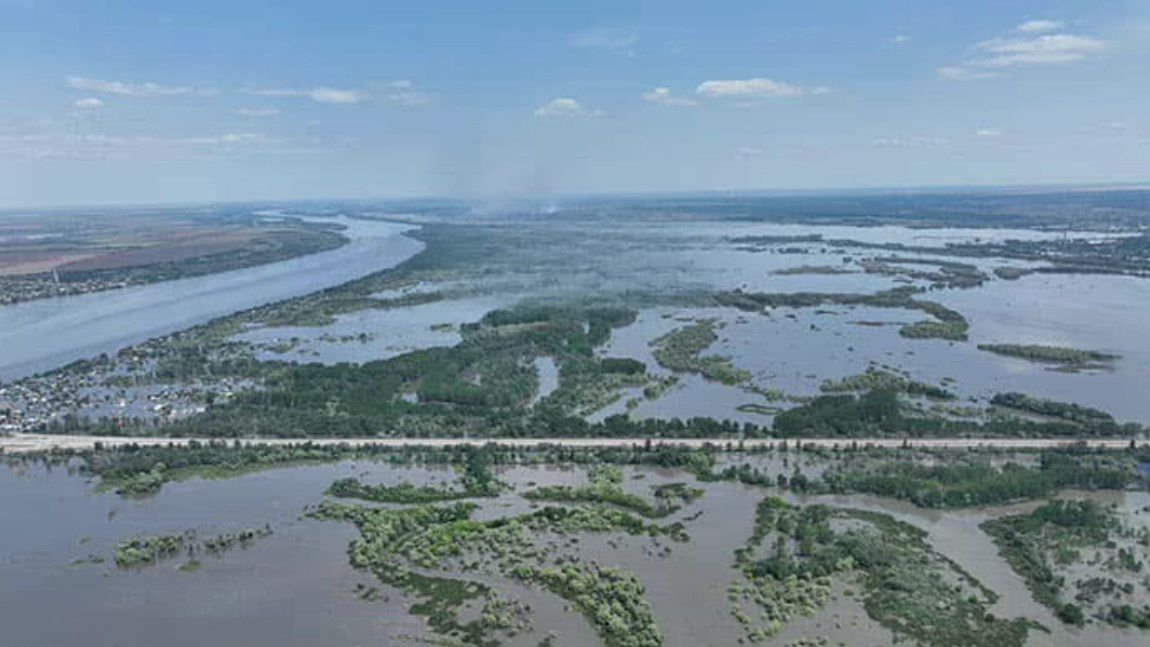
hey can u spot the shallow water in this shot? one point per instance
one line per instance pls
(692, 396)
(794, 350)
(911, 236)
(956, 534)
(292, 588)
(548, 372)
(388, 333)
(296, 588)
(1106, 313)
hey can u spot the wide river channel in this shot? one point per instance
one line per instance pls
(44, 334)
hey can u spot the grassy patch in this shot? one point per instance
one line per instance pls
(681, 350)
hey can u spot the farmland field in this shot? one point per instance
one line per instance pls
(54, 255)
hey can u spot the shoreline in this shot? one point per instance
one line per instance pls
(43, 332)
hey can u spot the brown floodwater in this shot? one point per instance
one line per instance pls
(296, 587)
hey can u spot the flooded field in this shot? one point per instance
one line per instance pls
(788, 350)
(61, 533)
(794, 351)
(372, 334)
(668, 272)
(1040, 310)
(297, 582)
(622, 330)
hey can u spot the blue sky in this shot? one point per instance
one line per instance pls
(138, 102)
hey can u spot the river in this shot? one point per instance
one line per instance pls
(48, 333)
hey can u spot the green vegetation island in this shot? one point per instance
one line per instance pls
(1069, 359)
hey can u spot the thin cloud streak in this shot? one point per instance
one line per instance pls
(748, 88)
(320, 94)
(664, 97)
(1028, 44)
(146, 89)
(565, 108)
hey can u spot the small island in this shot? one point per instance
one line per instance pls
(1066, 359)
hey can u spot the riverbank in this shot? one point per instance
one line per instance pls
(44, 334)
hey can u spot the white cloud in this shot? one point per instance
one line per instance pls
(989, 133)
(321, 94)
(146, 89)
(402, 92)
(664, 97)
(88, 103)
(405, 93)
(565, 107)
(1044, 49)
(1105, 127)
(256, 112)
(899, 39)
(92, 146)
(960, 73)
(748, 88)
(1028, 44)
(608, 38)
(1037, 26)
(749, 152)
(820, 89)
(923, 141)
(333, 95)
(226, 139)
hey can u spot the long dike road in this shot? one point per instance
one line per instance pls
(31, 443)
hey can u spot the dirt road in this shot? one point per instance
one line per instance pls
(25, 443)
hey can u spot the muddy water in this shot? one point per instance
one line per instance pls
(296, 588)
(842, 621)
(687, 587)
(956, 535)
(293, 588)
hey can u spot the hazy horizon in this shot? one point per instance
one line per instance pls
(876, 191)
